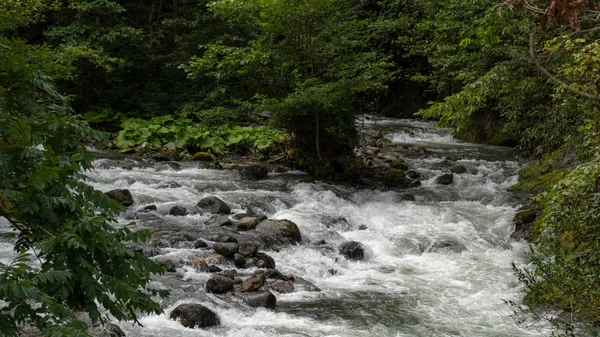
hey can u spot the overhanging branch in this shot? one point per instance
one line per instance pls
(554, 79)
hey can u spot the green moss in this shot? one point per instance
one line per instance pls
(536, 182)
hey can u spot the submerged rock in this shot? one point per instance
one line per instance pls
(256, 299)
(121, 196)
(353, 250)
(214, 205)
(195, 315)
(445, 179)
(177, 211)
(449, 246)
(254, 172)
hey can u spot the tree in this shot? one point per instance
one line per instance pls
(82, 261)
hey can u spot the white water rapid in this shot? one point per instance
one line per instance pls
(438, 264)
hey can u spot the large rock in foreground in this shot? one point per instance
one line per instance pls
(282, 230)
(121, 196)
(195, 315)
(214, 205)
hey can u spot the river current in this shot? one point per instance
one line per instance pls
(438, 264)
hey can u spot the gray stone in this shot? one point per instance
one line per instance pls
(214, 205)
(254, 172)
(177, 211)
(249, 249)
(248, 223)
(262, 260)
(458, 169)
(285, 230)
(219, 284)
(256, 299)
(167, 263)
(445, 179)
(281, 286)
(121, 196)
(353, 250)
(253, 283)
(227, 249)
(239, 260)
(195, 315)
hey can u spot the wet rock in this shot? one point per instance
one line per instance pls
(219, 284)
(227, 249)
(203, 188)
(194, 315)
(374, 134)
(253, 283)
(248, 223)
(202, 156)
(200, 244)
(112, 330)
(282, 230)
(383, 142)
(173, 165)
(150, 208)
(449, 246)
(169, 184)
(303, 285)
(256, 299)
(277, 275)
(399, 165)
(412, 174)
(199, 263)
(353, 250)
(458, 169)
(254, 172)
(121, 196)
(214, 269)
(363, 227)
(239, 260)
(167, 263)
(416, 149)
(220, 221)
(147, 251)
(445, 179)
(177, 211)
(214, 205)
(453, 157)
(215, 165)
(339, 223)
(216, 259)
(405, 197)
(281, 286)
(249, 249)
(524, 220)
(442, 166)
(262, 260)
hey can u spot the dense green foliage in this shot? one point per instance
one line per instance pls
(69, 256)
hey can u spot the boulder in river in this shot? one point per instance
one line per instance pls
(447, 245)
(214, 205)
(253, 283)
(219, 284)
(195, 315)
(282, 230)
(227, 249)
(199, 263)
(262, 260)
(281, 286)
(458, 169)
(239, 260)
(445, 179)
(353, 250)
(169, 264)
(202, 156)
(248, 223)
(121, 196)
(256, 299)
(249, 249)
(112, 330)
(254, 172)
(177, 211)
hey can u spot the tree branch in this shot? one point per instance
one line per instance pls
(554, 78)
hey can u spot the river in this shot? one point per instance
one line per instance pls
(438, 264)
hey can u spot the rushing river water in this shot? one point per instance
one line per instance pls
(438, 265)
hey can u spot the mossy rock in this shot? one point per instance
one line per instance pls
(203, 156)
(539, 183)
